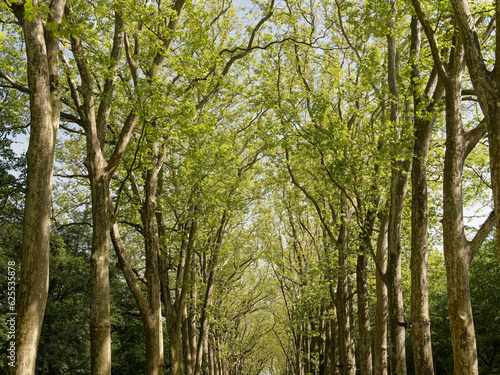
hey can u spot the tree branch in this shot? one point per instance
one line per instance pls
(127, 270)
(473, 136)
(482, 233)
(109, 85)
(431, 37)
(13, 83)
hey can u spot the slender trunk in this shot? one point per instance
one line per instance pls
(208, 294)
(421, 331)
(188, 356)
(175, 350)
(363, 315)
(456, 249)
(174, 308)
(399, 185)
(43, 81)
(212, 357)
(394, 280)
(206, 356)
(100, 324)
(334, 350)
(153, 321)
(380, 345)
(494, 148)
(327, 332)
(346, 340)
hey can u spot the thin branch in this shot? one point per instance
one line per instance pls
(59, 227)
(482, 233)
(127, 270)
(431, 37)
(14, 84)
(71, 175)
(473, 136)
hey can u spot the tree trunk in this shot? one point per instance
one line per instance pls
(153, 320)
(175, 350)
(456, 250)
(43, 79)
(394, 280)
(100, 324)
(456, 247)
(380, 345)
(334, 351)
(363, 315)
(421, 331)
(344, 294)
(188, 355)
(399, 185)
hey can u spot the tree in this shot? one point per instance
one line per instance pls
(42, 48)
(102, 165)
(459, 252)
(424, 108)
(486, 83)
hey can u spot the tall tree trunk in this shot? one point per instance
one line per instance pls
(421, 331)
(42, 49)
(100, 323)
(100, 172)
(455, 244)
(380, 344)
(399, 185)
(154, 328)
(334, 351)
(189, 356)
(344, 294)
(394, 280)
(363, 315)
(458, 251)
(175, 350)
(216, 245)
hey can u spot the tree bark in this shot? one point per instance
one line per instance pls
(455, 244)
(399, 185)
(153, 320)
(365, 341)
(344, 294)
(457, 250)
(100, 322)
(423, 124)
(380, 344)
(42, 49)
